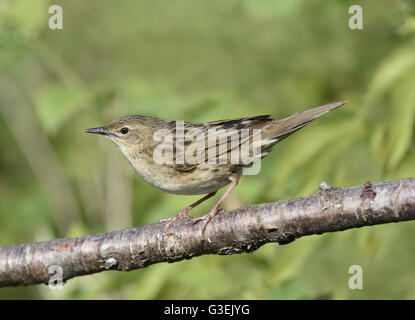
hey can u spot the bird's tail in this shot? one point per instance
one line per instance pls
(282, 128)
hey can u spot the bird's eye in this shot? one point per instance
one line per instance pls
(124, 130)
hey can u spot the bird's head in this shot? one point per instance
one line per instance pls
(130, 134)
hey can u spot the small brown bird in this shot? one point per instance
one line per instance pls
(200, 158)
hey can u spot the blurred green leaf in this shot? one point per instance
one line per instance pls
(378, 144)
(55, 104)
(328, 161)
(403, 117)
(290, 290)
(303, 152)
(290, 260)
(406, 168)
(389, 73)
(152, 281)
(209, 277)
(29, 16)
(270, 8)
(408, 26)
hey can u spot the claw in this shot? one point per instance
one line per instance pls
(207, 218)
(181, 215)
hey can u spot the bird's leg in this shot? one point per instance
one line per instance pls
(183, 214)
(211, 215)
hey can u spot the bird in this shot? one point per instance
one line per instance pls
(187, 158)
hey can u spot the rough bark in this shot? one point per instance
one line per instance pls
(243, 230)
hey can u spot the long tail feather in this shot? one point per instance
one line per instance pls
(282, 128)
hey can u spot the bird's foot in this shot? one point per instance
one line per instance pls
(209, 217)
(181, 215)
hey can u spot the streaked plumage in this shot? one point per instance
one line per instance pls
(200, 176)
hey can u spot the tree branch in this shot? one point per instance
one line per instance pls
(242, 230)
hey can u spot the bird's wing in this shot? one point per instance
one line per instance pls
(212, 142)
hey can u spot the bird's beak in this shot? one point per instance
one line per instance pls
(99, 130)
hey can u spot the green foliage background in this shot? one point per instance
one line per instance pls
(202, 61)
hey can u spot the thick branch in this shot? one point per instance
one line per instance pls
(242, 230)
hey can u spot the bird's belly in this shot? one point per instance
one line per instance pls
(201, 180)
(194, 188)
